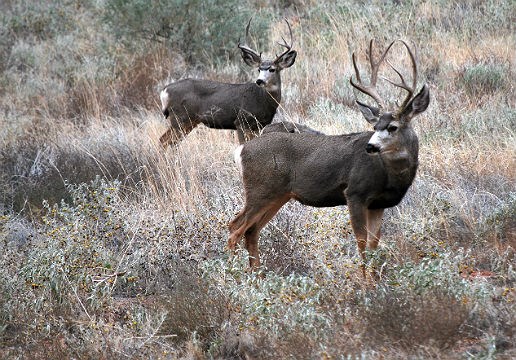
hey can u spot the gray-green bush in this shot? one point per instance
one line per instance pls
(206, 32)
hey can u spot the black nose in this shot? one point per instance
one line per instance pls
(370, 148)
(260, 82)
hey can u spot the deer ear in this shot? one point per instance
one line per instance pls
(371, 113)
(250, 58)
(417, 105)
(287, 60)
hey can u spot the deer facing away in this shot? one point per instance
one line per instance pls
(243, 107)
(367, 171)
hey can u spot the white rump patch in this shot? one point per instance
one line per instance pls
(237, 155)
(164, 99)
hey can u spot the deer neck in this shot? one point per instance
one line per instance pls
(274, 91)
(401, 164)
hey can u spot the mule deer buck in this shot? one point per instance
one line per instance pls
(367, 171)
(243, 107)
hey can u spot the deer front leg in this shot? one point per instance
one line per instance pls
(245, 134)
(358, 215)
(374, 224)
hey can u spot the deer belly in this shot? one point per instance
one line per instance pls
(219, 125)
(329, 199)
(216, 117)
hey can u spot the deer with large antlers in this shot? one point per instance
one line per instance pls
(367, 171)
(244, 107)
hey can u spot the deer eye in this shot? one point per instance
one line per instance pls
(392, 128)
(272, 70)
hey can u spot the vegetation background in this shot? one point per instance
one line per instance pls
(111, 248)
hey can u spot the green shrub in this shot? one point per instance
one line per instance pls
(76, 260)
(481, 79)
(40, 19)
(425, 303)
(501, 224)
(193, 308)
(276, 305)
(410, 319)
(206, 32)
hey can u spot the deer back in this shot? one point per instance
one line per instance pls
(321, 170)
(218, 105)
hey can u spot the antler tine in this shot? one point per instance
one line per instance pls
(401, 84)
(247, 28)
(375, 66)
(368, 90)
(246, 47)
(285, 44)
(410, 89)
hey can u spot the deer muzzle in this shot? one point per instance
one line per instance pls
(372, 149)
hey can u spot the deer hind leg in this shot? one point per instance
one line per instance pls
(179, 128)
(248, 223)
(236, 229)
(252, 234)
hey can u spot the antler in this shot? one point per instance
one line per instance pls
(284, 44)
(375, 66)
(245, 47)
(403, 84)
